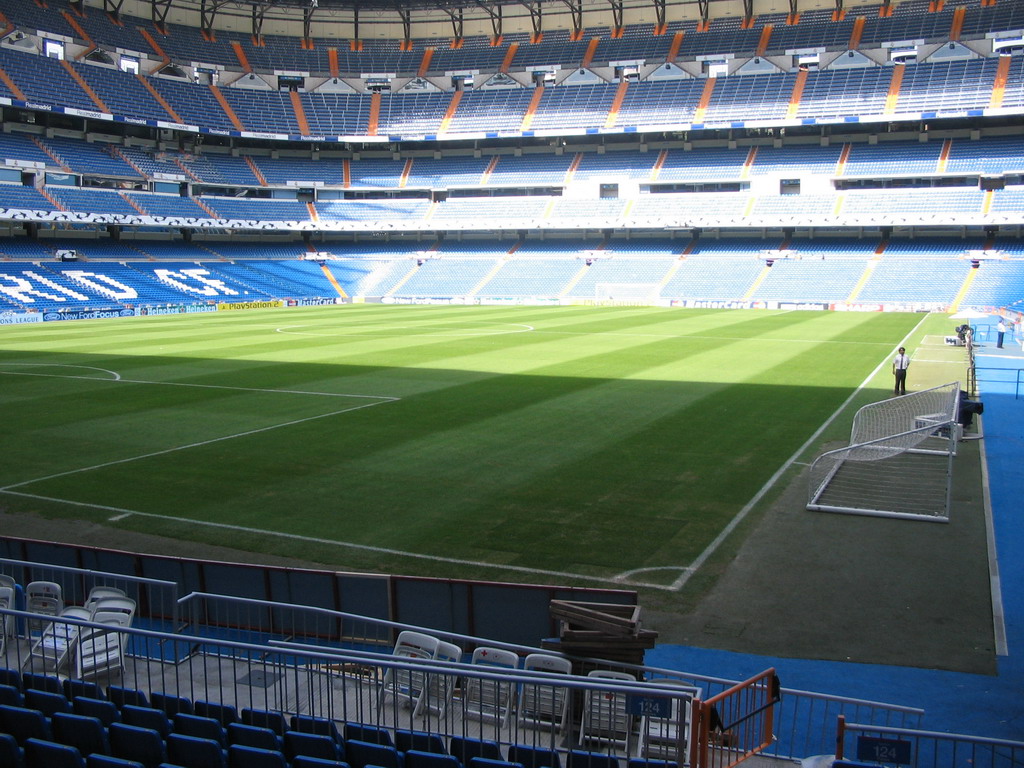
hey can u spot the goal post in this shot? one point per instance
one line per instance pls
(899, 462)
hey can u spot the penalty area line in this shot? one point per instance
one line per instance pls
(198, 444)
(119, 513)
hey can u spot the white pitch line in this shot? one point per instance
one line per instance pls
(121, 513)
(191, 445)
(119, 380)
(679, 583)
(115, 376)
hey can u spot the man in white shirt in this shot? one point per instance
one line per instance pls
(900, 363)
(1000, 333)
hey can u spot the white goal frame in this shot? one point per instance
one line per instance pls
(899, 462)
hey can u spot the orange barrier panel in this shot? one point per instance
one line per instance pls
(256, 171)
(797, 94)
(736, 724)
(510, 54)
(405, 172)
(843, 157)
(243, 60)
(371, 126)
(226, 107)
(538, 92)
(856, 33)
(766, 35)
(999, 84)
(658, 164)
(428, 54)
(159, 98)
(958, 23)
(613, 111)
(673, 50)
(705, 100)
(85, 87)
(947, 145)
(894, 88)
(332, 60)
(453, 105)
(300, 113)
(591, 50)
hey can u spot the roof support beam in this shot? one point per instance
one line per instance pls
(159, 11)
(617, 15)
(659, 12)
(406, 17)
(576, 10)
(536, 17)
(705, 9)
(458, 26)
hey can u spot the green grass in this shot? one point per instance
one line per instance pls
(564, 442)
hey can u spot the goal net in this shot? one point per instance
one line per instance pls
(899, 462)
(636, 292)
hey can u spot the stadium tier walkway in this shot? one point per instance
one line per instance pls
(983, 703)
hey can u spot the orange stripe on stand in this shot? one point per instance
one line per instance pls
(133, 204)
(153, 44)
(958, 23)
(591, 50)
(243, 60)
(333, 281)
(572, 168)
(894, 88)
(332, 61)
(613, 112)
(947, 145)
(406, 171)
(85, 87)
(793, 19)
(428, 54)
(705, 99)
(374, 119)
(160, 99)
(226, 107)
(999, 84)
(300, 113)
(256, 171)
(749, 163)
(673, 50)
(346, 172)
(659, 164)
(453, 105)
(839, 14)
(11, 85)
(766, 35)
(313, 215)
(856, 33)
(538, 92)
(486, 175)
(73, 23)
(844, 156)
(797, 94)
(510, 54)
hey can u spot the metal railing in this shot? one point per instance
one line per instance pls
(1002, 378)
(924, 749)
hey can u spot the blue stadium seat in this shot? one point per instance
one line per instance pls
(311, 745)
(73, 688)
(370, 733)
(11, 753)
(104, 711)
(240, 756)
(254, 736)
(143, 745)
(11, 696)
(201, 727)
(87, 734)
(360, 754)
(414, 758)
(146, 717)
(262, 718)
(11, 677)
(318, 725)
(465, 749)
(534, 757)
(121, 696)
(171, 704)
(24, 724)
(225, 714)
(590, 760)
(194, 752)
(48, 754)
(302, 761)
(484, 762)
(107, 761)
(36, 681)
(47, 702)
(419, 740)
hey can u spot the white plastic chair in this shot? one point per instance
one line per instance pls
(101, 651)
(544, 705)
(440, 687)
(97, 593)
(606, 718)
(45, 598)
(50, 653)
(660, 735)
(6, 622)
(407, 684)
(490, 699)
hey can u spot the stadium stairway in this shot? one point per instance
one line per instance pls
(954, 702)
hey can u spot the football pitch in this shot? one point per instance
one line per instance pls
(598, 446)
